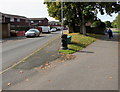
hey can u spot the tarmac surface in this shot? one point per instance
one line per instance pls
(94, 68)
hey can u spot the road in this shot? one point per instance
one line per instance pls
(14, 50)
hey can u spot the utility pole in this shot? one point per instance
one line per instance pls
(62, 16)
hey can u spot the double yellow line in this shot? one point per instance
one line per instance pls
(25, 58)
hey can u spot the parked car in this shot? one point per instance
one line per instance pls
(32, 33)
(53, 30)
(60, 28)
(45, 29)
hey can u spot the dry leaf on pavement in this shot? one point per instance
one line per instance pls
(110, 77)
(8, 84)
(21, 71)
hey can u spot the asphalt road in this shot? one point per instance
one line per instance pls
(14, 50)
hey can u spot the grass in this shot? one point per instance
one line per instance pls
(66, 51)
(117, 31)
(79, 42)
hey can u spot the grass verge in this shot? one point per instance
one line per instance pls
(116, 31)
(79, 42)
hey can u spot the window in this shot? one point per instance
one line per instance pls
(32, 21)
(26, 21)
(56, 23)
(40, 21)
(18, 20)
(11, 19)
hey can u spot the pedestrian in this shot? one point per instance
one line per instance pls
(110, 33)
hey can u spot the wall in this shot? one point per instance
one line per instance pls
(5, 30)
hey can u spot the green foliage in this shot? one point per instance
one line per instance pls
(67, 51)
(74, 10)
(116, 31)
(108, 24)
(96, 23)
(116, 22)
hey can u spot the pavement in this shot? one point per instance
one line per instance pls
(94, 68)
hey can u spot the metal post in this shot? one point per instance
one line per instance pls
(62, 15)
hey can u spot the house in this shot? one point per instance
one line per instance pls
(54, 24)
(38, 21)
(12, 23)
(15, 20)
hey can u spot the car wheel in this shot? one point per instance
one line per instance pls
(35, 35)
(38, 35)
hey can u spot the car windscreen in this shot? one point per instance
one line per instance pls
(32, 30)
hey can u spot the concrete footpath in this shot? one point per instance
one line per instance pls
(94, 68)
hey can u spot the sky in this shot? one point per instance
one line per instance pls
(34, 9)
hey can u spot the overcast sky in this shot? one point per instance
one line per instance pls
(33, 9)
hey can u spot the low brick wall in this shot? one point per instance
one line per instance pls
(20, 33)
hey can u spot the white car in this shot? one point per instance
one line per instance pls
(53, 30)
(45, 29)
(32, 33)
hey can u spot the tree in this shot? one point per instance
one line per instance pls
(96, 23)
(108, 24)
(116, 22)
(78, 13)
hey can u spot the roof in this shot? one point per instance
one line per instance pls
(15, 16)
(54, 22)
(38, 18)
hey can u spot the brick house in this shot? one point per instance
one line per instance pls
(15, 20)
(38, 21)
(15, 24)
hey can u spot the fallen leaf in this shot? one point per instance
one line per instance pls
(49, 80)
(8, 84)
(21, 71)
(110, 77)
(27, 79)
(47, 64)
(62, 61)
(45, 67)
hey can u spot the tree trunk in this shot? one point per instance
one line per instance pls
(72, 28)
(82, 27)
